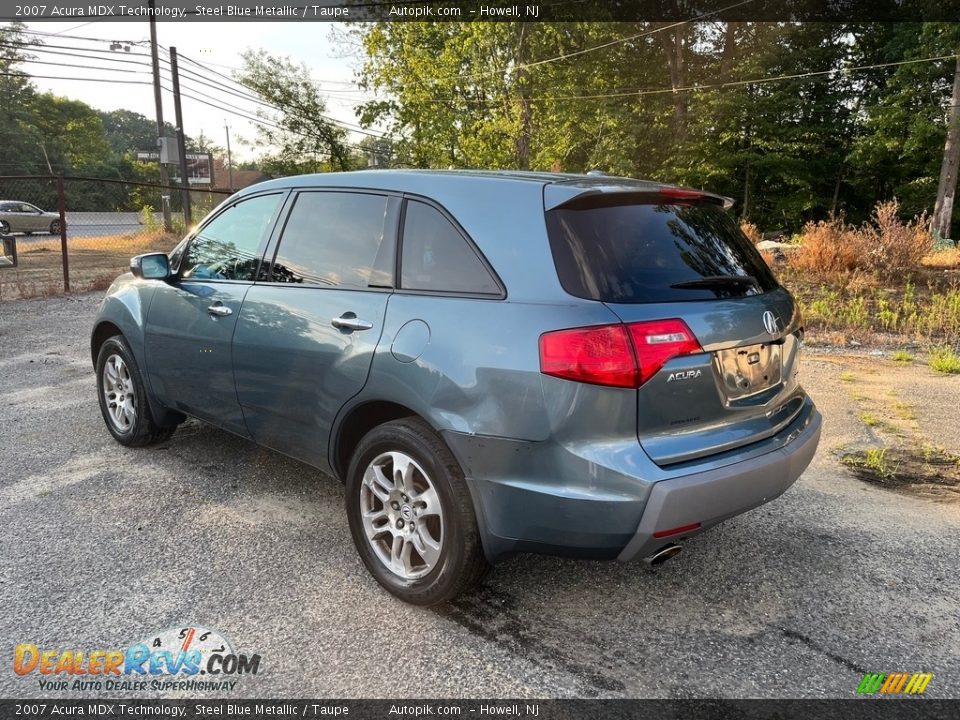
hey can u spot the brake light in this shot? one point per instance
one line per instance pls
(680, 194)
(600, 355)
(658, 341)
(615, 355)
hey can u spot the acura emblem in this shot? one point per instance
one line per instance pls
(770, 322)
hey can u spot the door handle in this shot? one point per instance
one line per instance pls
(346, 322)
(219, 310)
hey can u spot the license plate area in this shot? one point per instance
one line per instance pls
(749, 370)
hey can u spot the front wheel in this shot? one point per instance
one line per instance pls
(411, 515)
(123, 398)
(4, 227)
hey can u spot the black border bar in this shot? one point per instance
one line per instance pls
(853, 709)
(489, 10)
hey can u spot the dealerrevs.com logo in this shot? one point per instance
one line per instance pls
(898, 683)
(186, 658)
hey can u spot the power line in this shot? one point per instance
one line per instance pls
(85, 67)
(602, 46)
(247, 90)
(739, 83)
(27, 76)
(43, 50)
(42, 33)
(192, 77)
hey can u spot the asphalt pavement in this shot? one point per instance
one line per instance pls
(103, 546)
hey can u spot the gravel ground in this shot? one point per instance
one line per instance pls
(105, 545)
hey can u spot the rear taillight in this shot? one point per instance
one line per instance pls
(601, 355)
(616, 355)
(657, 341)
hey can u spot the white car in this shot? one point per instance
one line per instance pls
(16, 216)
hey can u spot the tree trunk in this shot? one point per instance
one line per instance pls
(673, 46)
(526, 114)
(729, 49)
(943, 210)
(744, 214)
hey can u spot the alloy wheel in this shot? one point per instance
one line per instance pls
(118, 391)
(402, 516)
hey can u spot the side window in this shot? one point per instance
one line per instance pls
(437, 257)
(229, 246)
(335, 239)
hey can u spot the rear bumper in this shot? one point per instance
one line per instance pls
(606, 500)
(710, 497)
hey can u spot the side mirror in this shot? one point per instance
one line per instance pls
(151, 266)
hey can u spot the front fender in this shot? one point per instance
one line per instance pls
(125, 307)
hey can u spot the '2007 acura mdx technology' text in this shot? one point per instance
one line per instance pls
(492, 362)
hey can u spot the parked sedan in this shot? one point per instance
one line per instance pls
(492, 363)
(16, 216)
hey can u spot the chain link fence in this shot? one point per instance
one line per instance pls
(78, 234)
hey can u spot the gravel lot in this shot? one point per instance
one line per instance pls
(104, 545)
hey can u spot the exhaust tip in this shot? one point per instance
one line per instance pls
(663, 554)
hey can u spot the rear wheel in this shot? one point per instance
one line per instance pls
(411, 515)
(55, 227)
(123, 399)
(4, 227)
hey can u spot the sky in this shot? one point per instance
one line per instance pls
(321, 46)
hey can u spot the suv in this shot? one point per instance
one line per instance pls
(492, 362)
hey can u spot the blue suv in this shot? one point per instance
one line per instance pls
(492, 362)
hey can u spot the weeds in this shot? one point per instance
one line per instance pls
(873, 461)
(945, 360)
(901, 356)
(904, 411)
(870, 420)
(934, 316)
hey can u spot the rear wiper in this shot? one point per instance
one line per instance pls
(720, 281)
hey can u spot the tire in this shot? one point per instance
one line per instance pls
(4, 227)
(55, 227)
(445, 516)
(119, 378)
(28, 232)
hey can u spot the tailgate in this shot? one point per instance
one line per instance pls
(743, 388)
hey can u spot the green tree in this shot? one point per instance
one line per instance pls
(297, 136)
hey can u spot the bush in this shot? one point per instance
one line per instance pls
(893, 246)
(827, 246)
(886, 246)
(751, 231)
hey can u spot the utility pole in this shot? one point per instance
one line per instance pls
(229, 156)
(158, 100)
(947, 188)
(181, 142)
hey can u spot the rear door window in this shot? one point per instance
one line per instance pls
(630, 252)
(336, 239)
(437, 257)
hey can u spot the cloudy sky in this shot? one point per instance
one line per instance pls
(322, 46)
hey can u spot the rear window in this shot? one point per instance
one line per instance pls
(637, 253)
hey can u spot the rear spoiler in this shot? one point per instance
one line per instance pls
(572, 196)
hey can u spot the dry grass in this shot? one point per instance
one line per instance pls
(944, 259)
(826, 246)
(751, 231)
(886, 246)
(94, 263)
